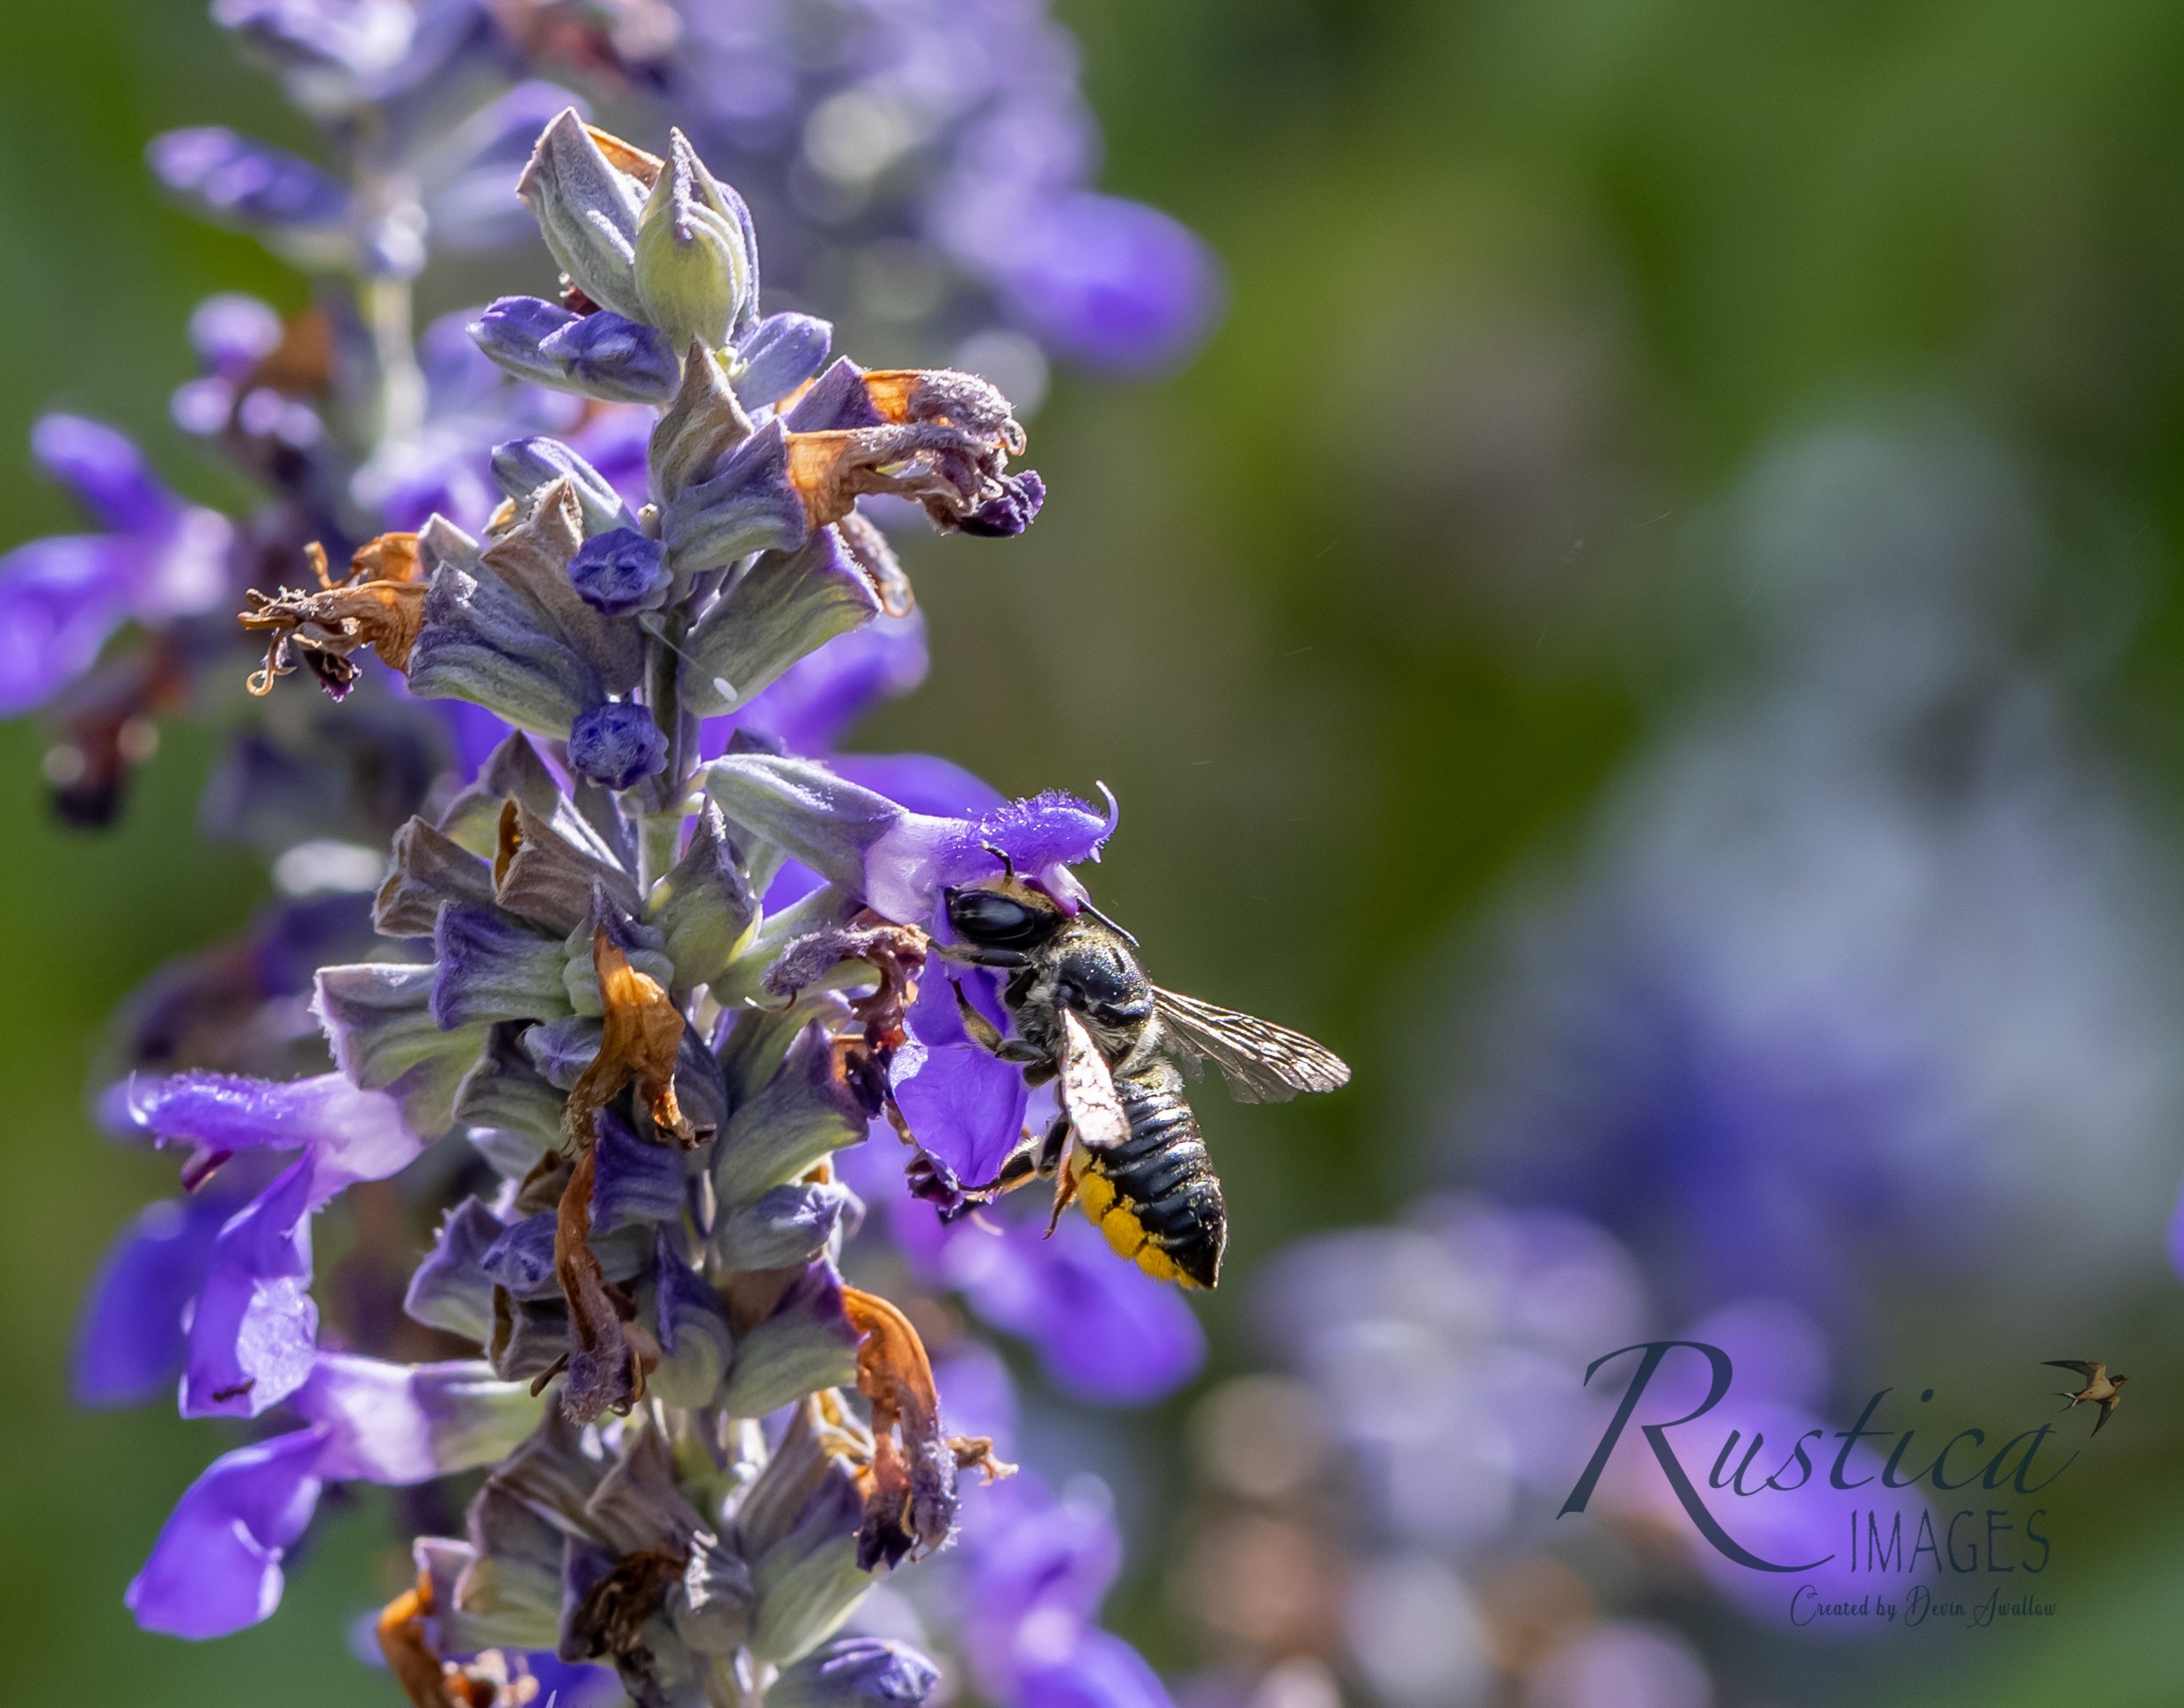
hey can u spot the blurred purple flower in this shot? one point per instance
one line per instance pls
(61, 597)
(131, 1339)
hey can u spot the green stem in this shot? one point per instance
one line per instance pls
(660, 831)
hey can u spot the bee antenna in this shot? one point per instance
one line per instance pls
(1008, 866)
(1110, 924)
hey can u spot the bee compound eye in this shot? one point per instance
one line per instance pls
(986, 916)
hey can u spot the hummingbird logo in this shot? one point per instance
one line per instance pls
(2101, 1389)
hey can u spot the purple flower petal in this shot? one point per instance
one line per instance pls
(350, 1135)
(253, 1330)
(813, 703)
(908, 867)
(216, 1566)
(129, 1343)
(232, 334)
(60, 598)
(964, 1104)
(234, 177)
(1105, 1331)
(1029, 1553)
(1111, 283)
(1098, 1670)
(897, 860)
(398, 1424)
(105, 474)
(922, 783)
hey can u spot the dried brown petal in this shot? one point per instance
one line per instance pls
(428, 1681)
(381, 603)
(605, 1371)
(910, 1503)
(642, 1031)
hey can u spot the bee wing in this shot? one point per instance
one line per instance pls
(1263, 1063)
(1096, 1114)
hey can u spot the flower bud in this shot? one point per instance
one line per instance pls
(856, 1671)
(619, 572)
(696, 265)
(600, 356)
(616, 744)
(587, 208)
(788, 606)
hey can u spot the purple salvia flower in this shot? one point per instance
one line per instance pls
(562, 926)
(894, 859)
(216, 1568)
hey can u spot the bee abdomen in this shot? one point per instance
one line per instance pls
(1157, 1198)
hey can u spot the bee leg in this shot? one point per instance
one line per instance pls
(971, 955)
(987, 1035)
(1064, 1189)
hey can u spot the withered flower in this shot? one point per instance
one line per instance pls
(897, 954)
(643, 1031)
(910, 1508)
(426, 1680)
(379, 604)
(608, 1352)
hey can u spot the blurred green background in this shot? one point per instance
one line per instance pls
(1355, 615)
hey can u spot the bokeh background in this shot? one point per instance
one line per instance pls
(1654, 627)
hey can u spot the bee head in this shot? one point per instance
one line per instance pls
(1006, 914)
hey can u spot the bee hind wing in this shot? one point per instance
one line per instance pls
(1263, 1063)
(1096, 1120)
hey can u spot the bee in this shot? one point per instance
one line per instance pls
(1126, 1145)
